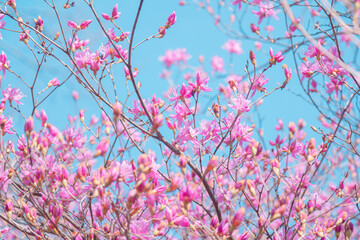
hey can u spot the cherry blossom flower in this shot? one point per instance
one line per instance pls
(114, 14)
(259, 83)
(12, 94)
(4, 65)
(25, 36)
(217, 64)
(176, 57)
(240, 103)
(82, 26)
(53, 82)
(39, 24)
(200, 84)
(77, 43)
(277, 58)
(265, 10)
(6, 125)
(233, 46)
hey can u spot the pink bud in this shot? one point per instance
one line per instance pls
(254, 28)
(8, 205)
(72, 24)
(24, 37)
(115, 14)
(157, 122)
(349, 228)
(105, 16)
(75, 95)
(214, 223)
(310, 206)
(252, 57)
(244, 236)
(25, 207)
(53, 82)
(43, 117)
(81, 115)
(81, 172)
(341, 218)
(117, 110)
(212, 163)
(85, 24)
(29, 126)
(171, 19)
(12, 4)
(162, 32)
(239, 215)
(337, 231)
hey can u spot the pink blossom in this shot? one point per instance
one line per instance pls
(6, 125)
(12, 94)
(53, 82)
(4, 65)
(114, 15)
(25, 36)
(162, 31)
(254, 28)
(82, 26)
(217, 64)
(200, 84)
(43, 117)
(233, 46)
(77, 43)
(171, 19)
(237, 2)
(269, 28)
(265, 10)
(83, 58)
(115, 38)
(127, 72)
(240, 103)
(184, 93)
(277, 58)
(258, 45)
(75, 95)
(312, 52)
(258, 85)
(176, 57)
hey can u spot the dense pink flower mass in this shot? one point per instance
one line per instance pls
(95, 145)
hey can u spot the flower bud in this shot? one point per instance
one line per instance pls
(252, 57)
(239, 216)
(81, 115)
(12, 4)
(214, 222)
(349, 228)
(171, 19)
(29, 126)
(8, 207)
(337, 231)
(157, 122)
